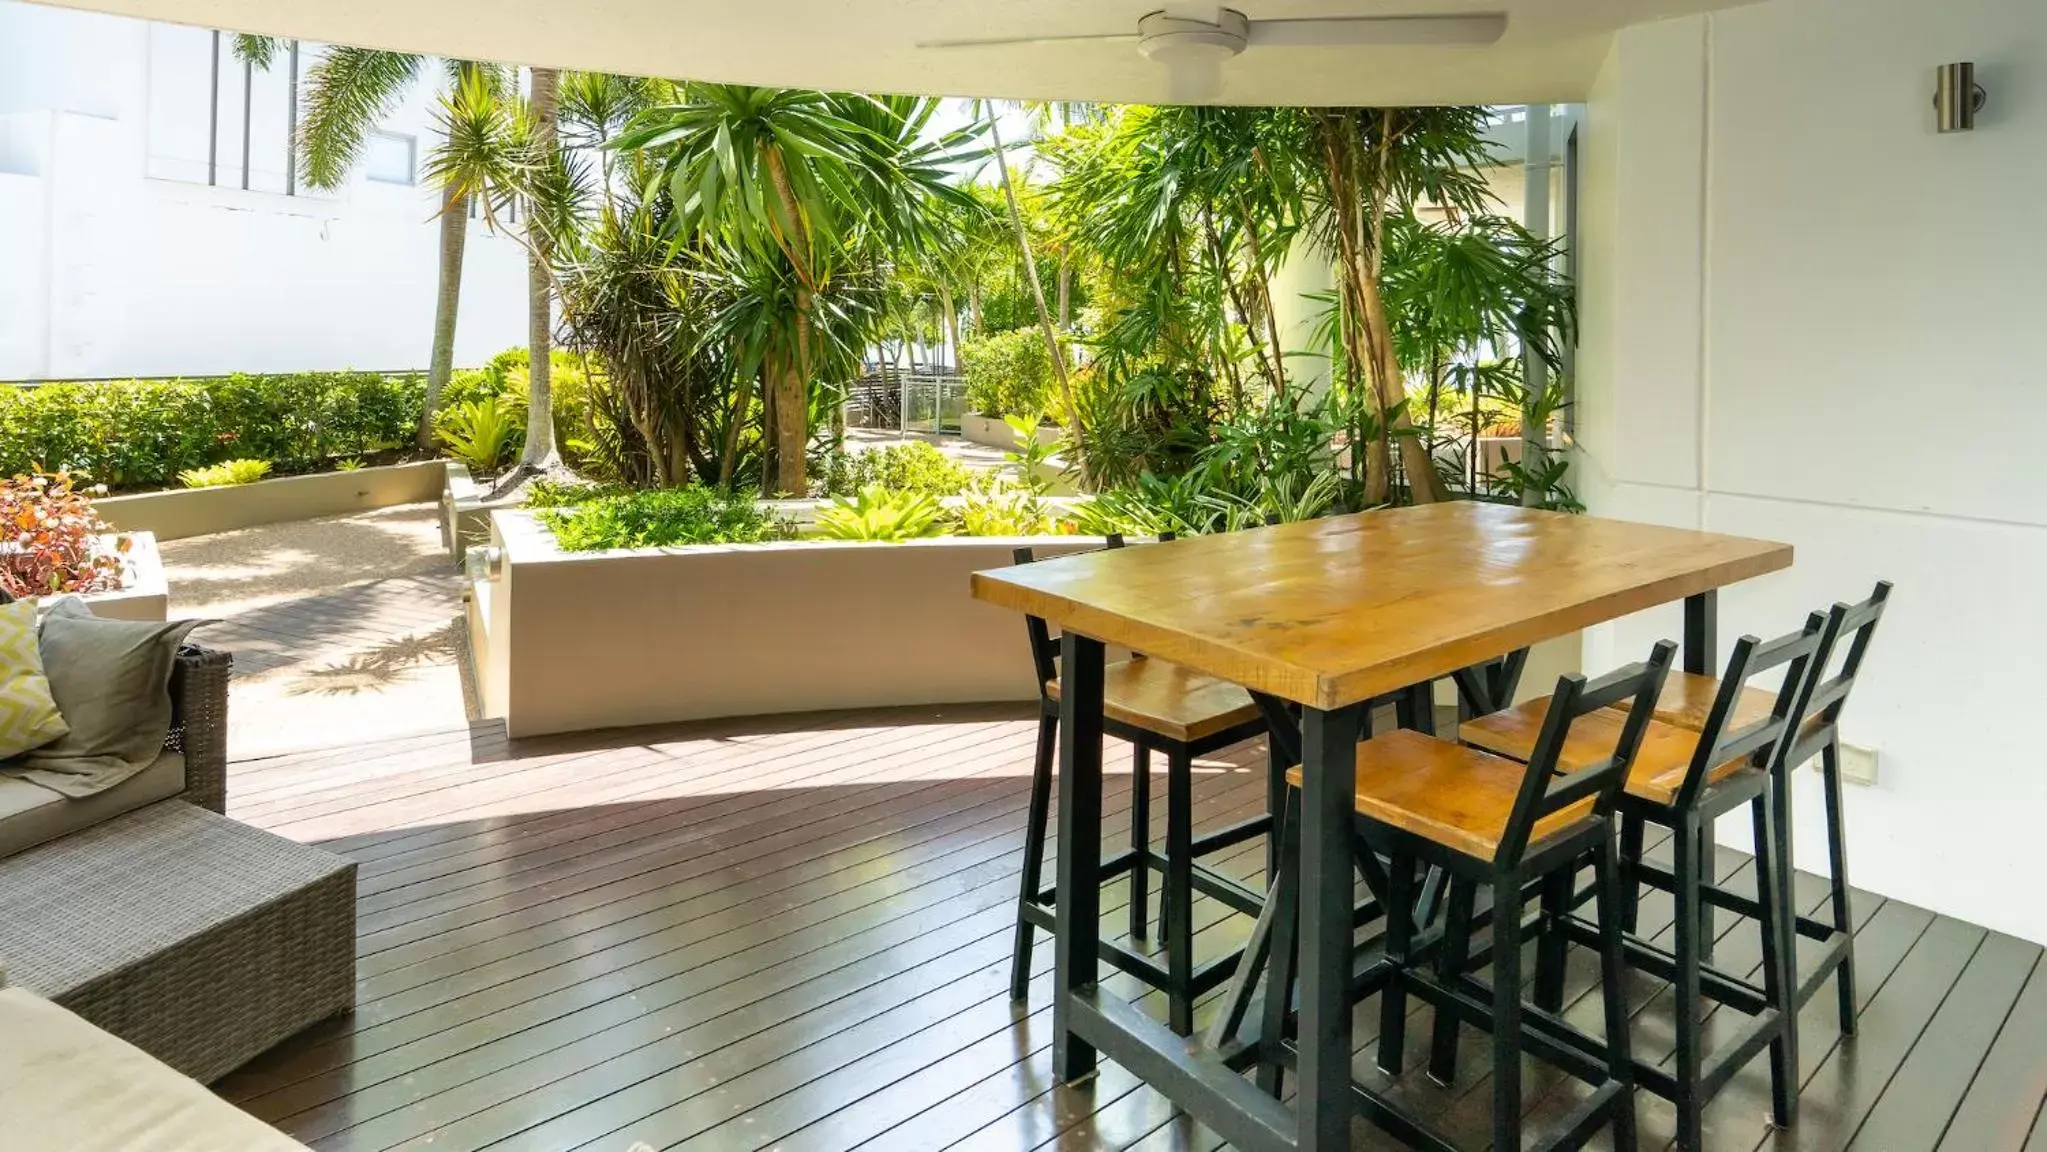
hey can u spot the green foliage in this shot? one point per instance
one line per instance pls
(1008, 374)
(226, 474)
(914, 467)
(878, 514)
(663, 518)
(548, 492)
(484, 434)
(998, 507)
(1033, 457)
(131, 434)
(350, 464)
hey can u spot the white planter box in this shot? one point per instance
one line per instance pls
(176, 514)
(143, 594)
(994, 432)
(569, 641)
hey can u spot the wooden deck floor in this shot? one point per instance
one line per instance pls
(794, 933)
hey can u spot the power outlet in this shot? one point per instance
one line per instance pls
(1858, 765)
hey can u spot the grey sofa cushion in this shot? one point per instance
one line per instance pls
(111, 680)
(31, 814)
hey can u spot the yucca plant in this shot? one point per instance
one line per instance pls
(225, 474)
(880, 515)
(483, 433)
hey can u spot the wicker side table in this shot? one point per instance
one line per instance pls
(196, 938)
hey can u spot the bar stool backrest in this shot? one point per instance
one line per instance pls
(1824, 699)
(1044, 651)
(1543, 793)
(1760, 741)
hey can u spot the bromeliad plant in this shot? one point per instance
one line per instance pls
(484, 433)
(53, 540)
(880, 515)
(229, 474)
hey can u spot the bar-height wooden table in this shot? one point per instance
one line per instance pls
(1327, 614)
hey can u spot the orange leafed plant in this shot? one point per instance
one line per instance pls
(50, 539)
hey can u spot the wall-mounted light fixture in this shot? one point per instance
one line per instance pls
(1956, 97)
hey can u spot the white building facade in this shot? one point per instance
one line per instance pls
(150, 223)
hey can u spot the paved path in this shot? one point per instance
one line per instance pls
(344, 630)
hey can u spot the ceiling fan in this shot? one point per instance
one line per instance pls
(1192, 41)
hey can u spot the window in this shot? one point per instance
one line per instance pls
(389, 158)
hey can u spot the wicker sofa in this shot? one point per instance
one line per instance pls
(144, 910)
(192, 767)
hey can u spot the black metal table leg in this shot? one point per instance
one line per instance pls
(1329, 784)
(1702, 658)
(1077, 940)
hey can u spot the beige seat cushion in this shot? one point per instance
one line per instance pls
(31, 814)
(66, 1086)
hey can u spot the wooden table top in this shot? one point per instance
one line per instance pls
(1333, 611)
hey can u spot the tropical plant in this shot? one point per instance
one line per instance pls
(663, 518)
(226, 474)
(1033, 457)
(997, 506)
(349, 91)
(350, 464)
(1007, 374)
(798, 188)
(909, 467)
(483, 434)
(877, 514)
(53, 540)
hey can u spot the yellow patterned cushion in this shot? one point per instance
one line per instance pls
(28, 714)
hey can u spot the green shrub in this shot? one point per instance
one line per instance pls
(142, 433)
(1008, 373)
(548, 492)
(483, 434)
(911, 467)
(1002, 507)
(226, 474)
(881, 515)
(662, 518)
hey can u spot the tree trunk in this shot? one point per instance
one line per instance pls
(1023, 243)
(952, 325)
(441, 365)
(1065, 292)
(540, 451)
(792, 420)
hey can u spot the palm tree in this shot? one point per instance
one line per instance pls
(347, 92)
(540, 452)
(795, 187)
(1030, 263)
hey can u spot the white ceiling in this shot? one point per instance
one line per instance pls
(1550, 52)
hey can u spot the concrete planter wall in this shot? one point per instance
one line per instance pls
(179, 513)
(570, 641)
(995, 433)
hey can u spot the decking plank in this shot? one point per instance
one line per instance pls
(793, 933)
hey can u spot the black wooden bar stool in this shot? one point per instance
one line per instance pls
(1688, 699)
(1684, 780)
(1495, 824)
(1154, 706)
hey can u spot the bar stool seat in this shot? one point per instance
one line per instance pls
(1167, 700)
(1687, 699)
(1458, 797)
(1660, 764)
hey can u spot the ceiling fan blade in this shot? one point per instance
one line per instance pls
(1005, 41)
(1475, 28)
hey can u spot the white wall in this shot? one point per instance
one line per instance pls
(1809, 317)
(118, 258)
